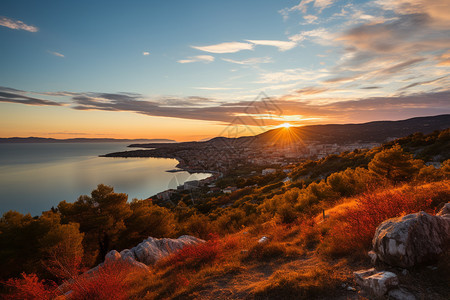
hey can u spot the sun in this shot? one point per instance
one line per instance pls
(285, 125)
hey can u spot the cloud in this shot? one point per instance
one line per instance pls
(312, 90)
(370, 87)
(56, 53)
(198, 58)
(17, 96)
(437, 10)
(230, 47)
(216, 88)
(401, 66)
(281, 45)
(319, 36)
(444, 59)
(17, 25)
(422, 83)
(310, 19)
(250, 61)
(289, 106)
(145, 53)
(291, 75)
(304, 5)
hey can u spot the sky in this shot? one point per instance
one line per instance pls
(190, 70)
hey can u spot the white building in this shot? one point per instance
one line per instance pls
(268, 171)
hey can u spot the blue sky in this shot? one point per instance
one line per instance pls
(196, 66)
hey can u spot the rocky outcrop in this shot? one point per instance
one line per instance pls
(151, 250)
(376, 283)
(146, 253)
(413, 239)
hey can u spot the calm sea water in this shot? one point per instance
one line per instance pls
(35, 177)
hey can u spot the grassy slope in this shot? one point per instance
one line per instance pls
(295, 262)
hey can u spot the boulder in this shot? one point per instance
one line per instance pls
(263, 240)
(400, 294)
(412, 239)
(444, 211)
(151, 250)
(376, 283)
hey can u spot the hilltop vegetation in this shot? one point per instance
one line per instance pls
(305, 255)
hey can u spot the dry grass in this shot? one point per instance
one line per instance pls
(306, 283)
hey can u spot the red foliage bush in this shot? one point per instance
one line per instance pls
(355, 230)
(30, 287)
(200, 254)
(107, 283)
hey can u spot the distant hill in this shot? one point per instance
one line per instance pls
(25, 140)
(376, 132)
(379, 131)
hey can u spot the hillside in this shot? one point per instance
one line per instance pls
(299, 233)
(377, 132)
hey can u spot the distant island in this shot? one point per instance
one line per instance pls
(26, 140)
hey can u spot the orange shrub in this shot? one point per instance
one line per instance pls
(354, 231)
(30, 287)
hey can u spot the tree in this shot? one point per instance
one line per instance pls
(147, 220)
(61, 247)
(395, 165)
(101, 217)
(31, 244)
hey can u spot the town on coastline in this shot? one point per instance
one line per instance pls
(252, 161)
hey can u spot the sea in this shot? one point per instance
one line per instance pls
(37, 176)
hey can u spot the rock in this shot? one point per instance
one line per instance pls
(377, 284)
(412, 239)
(373, 256)
(263, 240)
(400, 294)
(361, 274)
(151, 250)
(112, 256)
(148, 252)
(405, 272)
(351, 289)
(445, 210)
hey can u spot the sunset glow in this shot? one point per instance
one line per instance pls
(285, 125)
(148, 76)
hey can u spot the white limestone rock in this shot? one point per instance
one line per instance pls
(152, 250)
(444, 211)
(412, 239)
(376, 283)
(400, 294)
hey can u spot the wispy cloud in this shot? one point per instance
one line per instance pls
(281, 45)
(19, 97)
(312, 90)
(16, 24)
(198, 58)
(292, 75)
(216, 88)
(250, 61)
(209, 109)
(310, 19)
(145, 53)
(422, 83)
(319, 36)
(56, 53)
(305, 5)
(230, 47)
